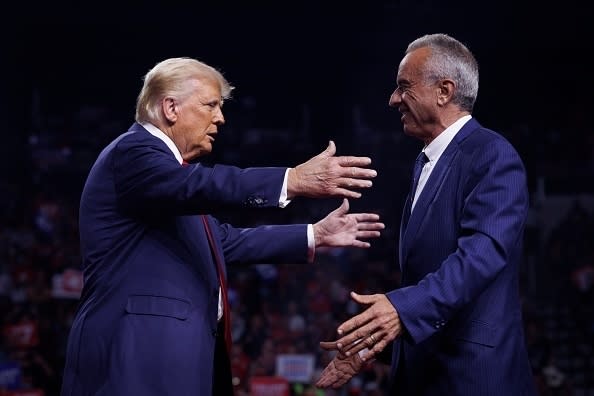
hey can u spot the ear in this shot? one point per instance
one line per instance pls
(445, 92)
(170, 109)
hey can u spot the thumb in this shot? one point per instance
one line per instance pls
(330, 150)
(365, 299)
(344, 207)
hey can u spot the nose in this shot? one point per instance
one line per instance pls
(395, 99)
(219, 118)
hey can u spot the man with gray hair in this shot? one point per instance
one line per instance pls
(454, 326)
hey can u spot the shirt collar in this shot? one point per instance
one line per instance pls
(434, 149)
(153, 130)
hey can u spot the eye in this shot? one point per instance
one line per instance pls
(212, 105)
(401, 88)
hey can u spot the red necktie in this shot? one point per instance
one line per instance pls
(222, 282)
(226, 309)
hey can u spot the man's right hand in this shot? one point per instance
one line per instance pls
(327, 175)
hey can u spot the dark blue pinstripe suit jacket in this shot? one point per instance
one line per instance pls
(460, 254)
(148, 311)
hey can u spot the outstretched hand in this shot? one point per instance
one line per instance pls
(341, 229)
(327, 175)
(372, 329)
(340, 370)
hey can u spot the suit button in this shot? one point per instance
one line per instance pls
(255, 201)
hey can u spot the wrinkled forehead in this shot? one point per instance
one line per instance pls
(412, 64)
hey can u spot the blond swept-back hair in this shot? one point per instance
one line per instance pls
(170, 77)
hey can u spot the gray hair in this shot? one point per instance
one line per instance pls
(450, 59)
(170, 78)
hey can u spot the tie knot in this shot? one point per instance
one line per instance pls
(422, 158)
(185, 163)
(419, 164)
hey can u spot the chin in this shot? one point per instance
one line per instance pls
(204, 151)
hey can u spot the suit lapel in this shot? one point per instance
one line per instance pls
(433, 185)
(198, 239)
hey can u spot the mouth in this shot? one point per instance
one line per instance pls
(403, 113)
(212, 135)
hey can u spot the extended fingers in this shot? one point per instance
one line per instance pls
(356, 339)
(353, 161)
(376, 348)
(367, 235)
(353, 182)
(367, 217)
(367, 343)
(360, 244)
(354, 323)
(343, 192)
(367, 225)
(328, 345)
(370, 226)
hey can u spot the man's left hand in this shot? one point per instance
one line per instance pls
(373, 328)
(340, 228)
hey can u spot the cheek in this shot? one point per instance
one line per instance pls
(200, 129)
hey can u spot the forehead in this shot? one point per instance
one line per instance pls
(411, 66)
(206, 88)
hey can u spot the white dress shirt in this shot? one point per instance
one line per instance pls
(434, 150)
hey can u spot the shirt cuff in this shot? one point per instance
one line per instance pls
(283, 201)
(311, 244)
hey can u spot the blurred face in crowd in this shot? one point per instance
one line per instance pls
(416, 98)
(195, 118)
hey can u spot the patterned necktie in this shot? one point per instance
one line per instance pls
(419, 164)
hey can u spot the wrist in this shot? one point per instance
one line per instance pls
(292, 183)
(316, 235)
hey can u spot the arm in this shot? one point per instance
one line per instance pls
(491, 223)
(490, 228)
(147, 177)
(338, 229)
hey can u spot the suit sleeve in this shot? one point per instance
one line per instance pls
(253, 245)
(149, 179)
(492, 221)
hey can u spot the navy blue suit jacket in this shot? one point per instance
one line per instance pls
(460, 254)
(147, 318)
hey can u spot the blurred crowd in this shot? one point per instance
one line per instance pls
(285, 310)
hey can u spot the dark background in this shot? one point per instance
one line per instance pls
(534, 57)
(305, 72)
